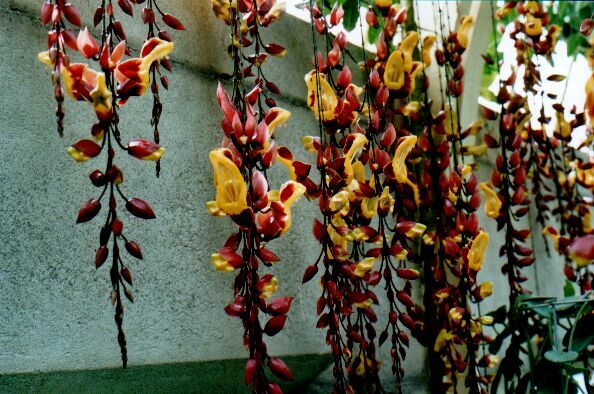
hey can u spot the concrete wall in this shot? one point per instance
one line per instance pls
(56, 313)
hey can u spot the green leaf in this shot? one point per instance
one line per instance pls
(584, 334)
(374, 32)
(351, 14)
(568, 289)
(560, 357)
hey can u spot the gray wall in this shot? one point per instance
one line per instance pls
(56, 313)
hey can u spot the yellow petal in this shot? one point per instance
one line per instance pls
(399, 163)
(101, 96)
(428, 42)
(231, 187)
(407, 46)
(358, 143)
(476, 150)
(492, 201)
(282, 116)
(464, 30)
(220, 263)
(416, 231)
(394, 73)
(290, 192)
(477, 251)
(325, 106)
(77, 155)
(269, 288)
(364, 267)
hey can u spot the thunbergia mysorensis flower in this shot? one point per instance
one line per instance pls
(362, 159)
(106, 91)
(250, 125)
(454, 247)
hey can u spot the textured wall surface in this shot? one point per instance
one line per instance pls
(55, 309)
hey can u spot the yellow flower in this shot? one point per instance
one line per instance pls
(463, 31)
(386, 201)
(269, 288)
(364, 266)
(399, 164)
(533, 25)
(220, 263)
(394, 73)
(477, 251)
(358, 143)
(407, 46)
(308, 143)
(416, 231)
(492, 201)
(411, 108)
(289, 192)
(475, 127)
(231, 187)
(328, 102)
(213, 209)
(279, 115)
(486, 289)
(357, 235)
(383, 3)
(221, 9)
(365, 304)
(456, 314)
(369, 207)
(340, 203)
(428, 42)
(101, 97)
(476, 150)
(442, 338)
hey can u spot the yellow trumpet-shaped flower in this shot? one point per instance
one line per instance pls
(364, 267)
(428, 42)
(365, 304)
(533, 25)
(394, 73)
(477, 251)
(231, 187)
(442, 339)
(279, 115)
(407, 46)
(464, 31)
(358, 143)
(386, 201)
(476, 150)
(101, 97)
(369, 207)
(340, 203)
(399, 163)
(485, 289)
(290, 192)
(269, 288)
(325, 106)
(492, 201)
(308, 143)
(416, 231)
(220, 263)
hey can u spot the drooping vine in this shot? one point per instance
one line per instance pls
(248, 149)
(107, 91)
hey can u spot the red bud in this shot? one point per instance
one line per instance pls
(89, 210)
(140, 208)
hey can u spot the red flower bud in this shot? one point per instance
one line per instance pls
(274, 325)
(140, 208)
(101, 256)
(279, 368)
(133, 248)
(173, 22)
(89, 210)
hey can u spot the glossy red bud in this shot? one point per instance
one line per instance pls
(88, 211)
(140, 208)
(101, 256)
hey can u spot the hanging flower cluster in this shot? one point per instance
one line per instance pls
(391, 83)
(362, 160)
(261, 215)
(455, 246)
(106, 91)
